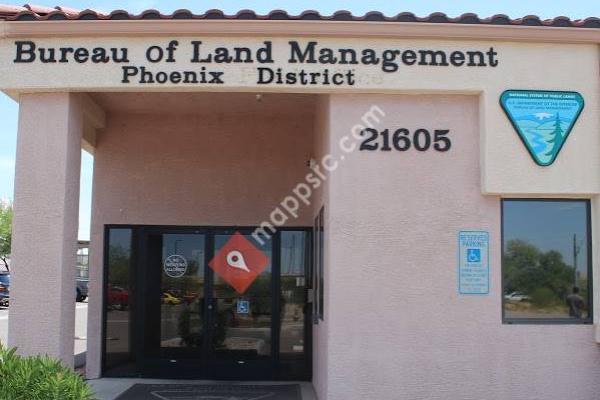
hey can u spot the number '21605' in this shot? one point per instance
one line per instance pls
(403, 139)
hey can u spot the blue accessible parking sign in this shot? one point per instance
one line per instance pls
(243, 307)
(473, 255)
(473, 262)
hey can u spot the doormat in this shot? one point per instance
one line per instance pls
(142, 391)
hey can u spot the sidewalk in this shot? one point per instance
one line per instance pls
(80, 329)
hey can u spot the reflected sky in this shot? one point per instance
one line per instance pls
(292, 246)
(121, 238)
(549, 225)
(292, 252)
(188, 245)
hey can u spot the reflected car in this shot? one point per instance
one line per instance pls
(81, 289)
(189, 298)
(516, 296)
(168, 298)
(117, 297)
(4, 289)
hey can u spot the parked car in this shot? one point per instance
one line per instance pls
(4, 289)
(189, 298)
(117, 297)
(516, 296)
(82, 289)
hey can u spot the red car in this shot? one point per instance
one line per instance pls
(117, 297)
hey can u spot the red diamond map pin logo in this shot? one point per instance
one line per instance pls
(239, 262)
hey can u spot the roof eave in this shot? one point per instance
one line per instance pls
(295, 28)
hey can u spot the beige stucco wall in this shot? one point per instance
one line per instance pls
(506, 169)
(521, 65)
(45, 225)
(320, 199)
(229, 161)
(401, 329)
(394, 321)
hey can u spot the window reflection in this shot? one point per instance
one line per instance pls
(318, 284)
(212, 316)
(293, 293)
(243, 320)
(321, 265)
(117, 302)
(546, 265)
(182, 290)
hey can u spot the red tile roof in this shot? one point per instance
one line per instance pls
(39, 13)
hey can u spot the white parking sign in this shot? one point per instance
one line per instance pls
(473, 262)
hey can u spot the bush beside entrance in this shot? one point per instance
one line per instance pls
(39, 378)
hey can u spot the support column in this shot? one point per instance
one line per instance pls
(46, 210)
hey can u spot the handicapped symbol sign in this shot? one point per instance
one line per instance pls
(473, 255)
(243, 307)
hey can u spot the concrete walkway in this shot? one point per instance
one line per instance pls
(110, 388)
(80, 325)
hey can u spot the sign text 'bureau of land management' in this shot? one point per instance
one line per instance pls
(215, 62)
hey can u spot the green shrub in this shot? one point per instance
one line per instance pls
(39, 378)
(544, 297)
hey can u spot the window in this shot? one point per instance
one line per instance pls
(293, 295)
(321, 269)
(117, 313)
(546, 261)
(318, 263)
(83, 260)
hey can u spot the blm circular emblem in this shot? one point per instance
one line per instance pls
(175, 266)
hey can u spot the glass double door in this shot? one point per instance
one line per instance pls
(213, 304)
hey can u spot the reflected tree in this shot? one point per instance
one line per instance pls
(185, 285)
(118, 259)
(544, 276)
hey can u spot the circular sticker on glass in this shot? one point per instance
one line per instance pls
(175, 266)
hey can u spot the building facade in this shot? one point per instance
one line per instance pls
(390, 208)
